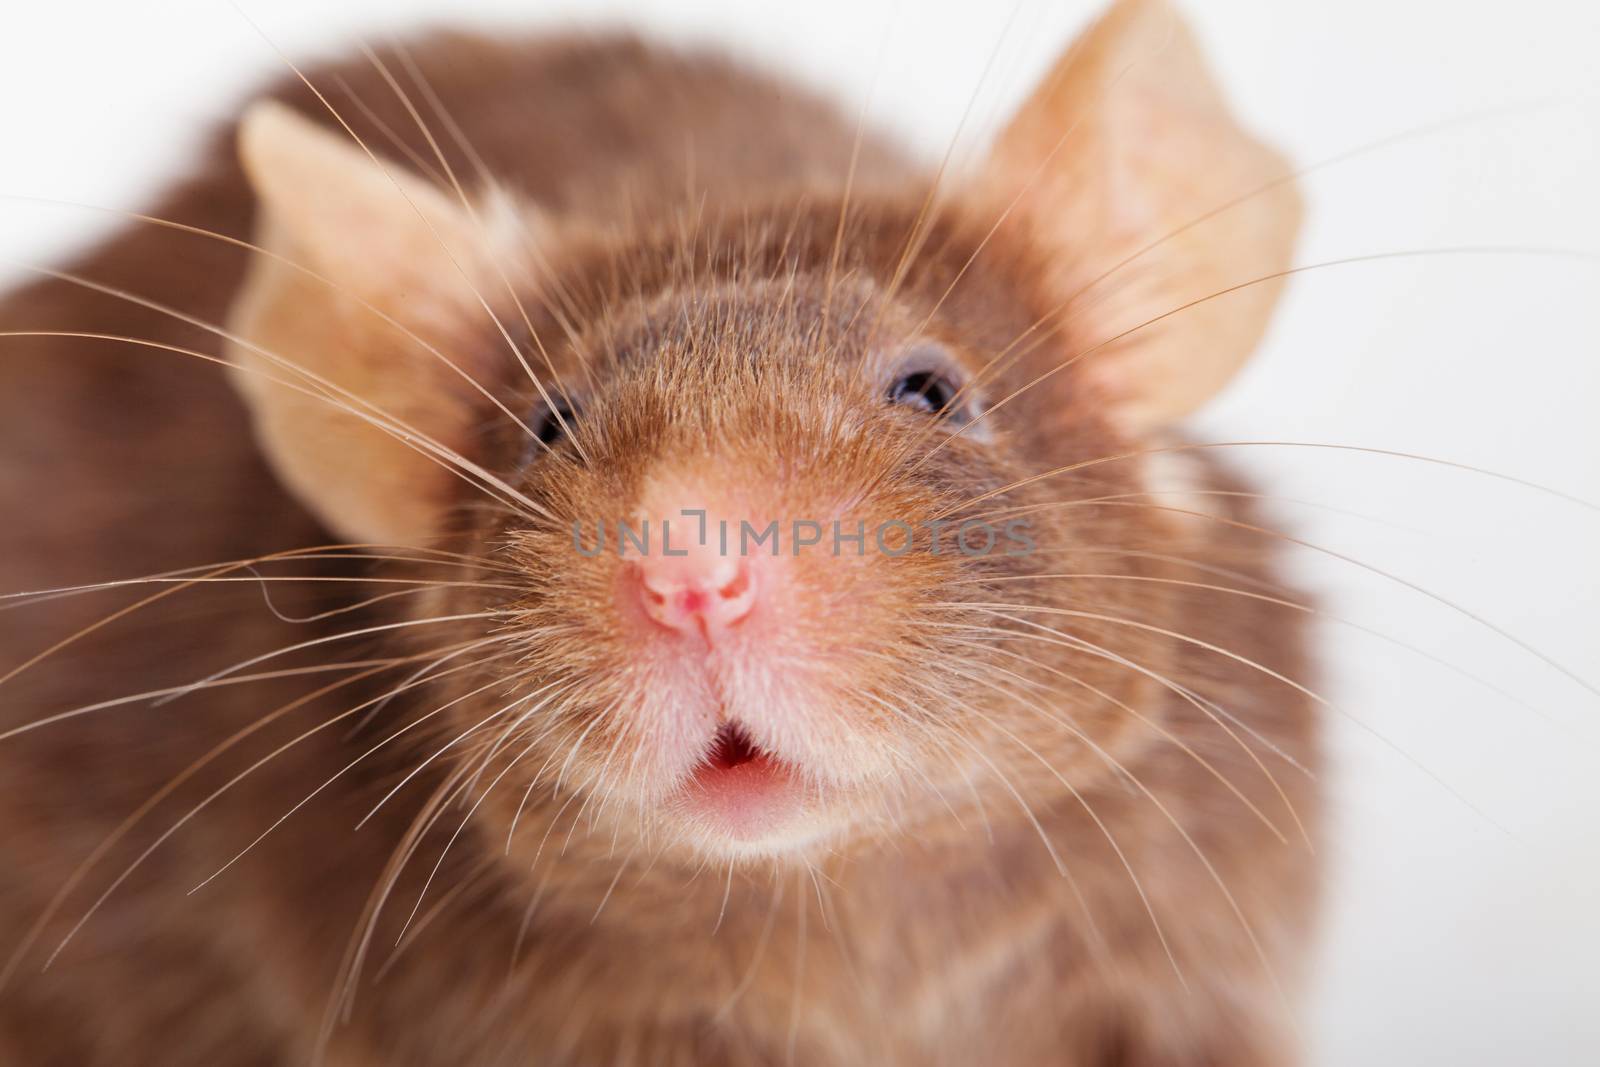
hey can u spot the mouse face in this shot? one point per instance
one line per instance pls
(771, 533)
(773, 527)
(812, 517)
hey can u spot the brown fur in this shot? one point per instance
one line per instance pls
(695, 208)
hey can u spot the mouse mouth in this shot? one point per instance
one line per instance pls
(732, 747)
(740, 792)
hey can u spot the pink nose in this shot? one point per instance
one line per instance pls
(704, 592)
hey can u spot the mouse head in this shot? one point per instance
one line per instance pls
(785, 502)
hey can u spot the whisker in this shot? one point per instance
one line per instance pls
(1331, 446)
(612, 888)
(850, 170)
(444, 852)
(215, 569)
(477, 221)
(398, 143)
(551, 278)
(801, 909)
(1218, 714)
(1580, 255)
(192, 813)
(1061, 867)
(757, 954)
(434, 911)
(352, 764)
(1294, 605)
(1169, 736)
(276, 257)
(421, 215)
(380, 420)
(317, 642)
(1411, 134)
(1216, 877)
(174, 691)
(463, 735)
(1255, 666)
(106, 844)
(1415, 587)
(27, 597)
(342, 1001)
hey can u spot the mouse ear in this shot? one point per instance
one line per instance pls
(370, 283)
(1113, 165)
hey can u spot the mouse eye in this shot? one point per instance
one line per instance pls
(929, 382)
(552, 421)
(924, 390)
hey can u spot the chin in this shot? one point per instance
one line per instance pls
(793, 838)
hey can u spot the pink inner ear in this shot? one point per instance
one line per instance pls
(1131, 177)
(377, 283)
(365, 222)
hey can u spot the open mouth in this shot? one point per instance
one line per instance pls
(732, 748)
(739, 789)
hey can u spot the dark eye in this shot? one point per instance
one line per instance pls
(552, 421)
(925, 390)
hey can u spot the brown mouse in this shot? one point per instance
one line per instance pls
(661, 576)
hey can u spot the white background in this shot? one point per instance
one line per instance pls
(1454, 937)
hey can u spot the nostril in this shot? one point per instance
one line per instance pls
(700, 593)
(737, 585)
